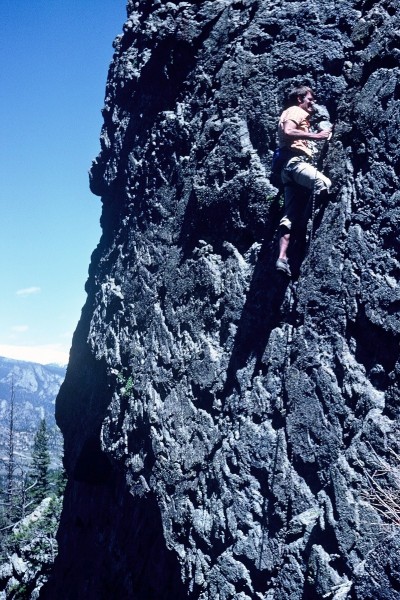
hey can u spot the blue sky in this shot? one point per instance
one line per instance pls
(54, 58)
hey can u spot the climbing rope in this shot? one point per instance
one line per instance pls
(314, 163)
(312, 221)
(313, 195)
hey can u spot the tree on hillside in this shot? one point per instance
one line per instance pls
(40, 474)
(14, 478)
(9, 492)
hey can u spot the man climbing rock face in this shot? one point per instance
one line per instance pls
(298, 175)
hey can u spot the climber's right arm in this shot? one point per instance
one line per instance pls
(291, 132)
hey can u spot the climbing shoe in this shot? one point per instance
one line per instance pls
(282, 264)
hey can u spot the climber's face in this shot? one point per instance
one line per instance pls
(307, 103)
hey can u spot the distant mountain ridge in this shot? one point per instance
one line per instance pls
(35, 389)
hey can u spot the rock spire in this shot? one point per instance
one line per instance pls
(227, 433)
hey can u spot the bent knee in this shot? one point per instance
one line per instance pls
(322, 183)
(286, 224)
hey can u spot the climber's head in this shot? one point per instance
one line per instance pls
(302, 96)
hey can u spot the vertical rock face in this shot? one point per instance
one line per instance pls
(222, 426)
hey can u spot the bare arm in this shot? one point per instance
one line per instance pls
(292, 132)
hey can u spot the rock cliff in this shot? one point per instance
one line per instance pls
(228, 434)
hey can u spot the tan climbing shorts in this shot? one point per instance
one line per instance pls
(298, 172)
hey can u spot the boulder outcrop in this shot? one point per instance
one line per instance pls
(230, 434)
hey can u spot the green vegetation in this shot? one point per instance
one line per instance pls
(36, 532)
(126, 384)
(30, 507)
(40, 475)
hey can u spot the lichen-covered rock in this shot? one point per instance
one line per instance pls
(223, 427)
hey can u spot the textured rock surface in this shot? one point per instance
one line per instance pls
(221, 426)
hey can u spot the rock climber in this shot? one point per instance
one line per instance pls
(298, 175)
